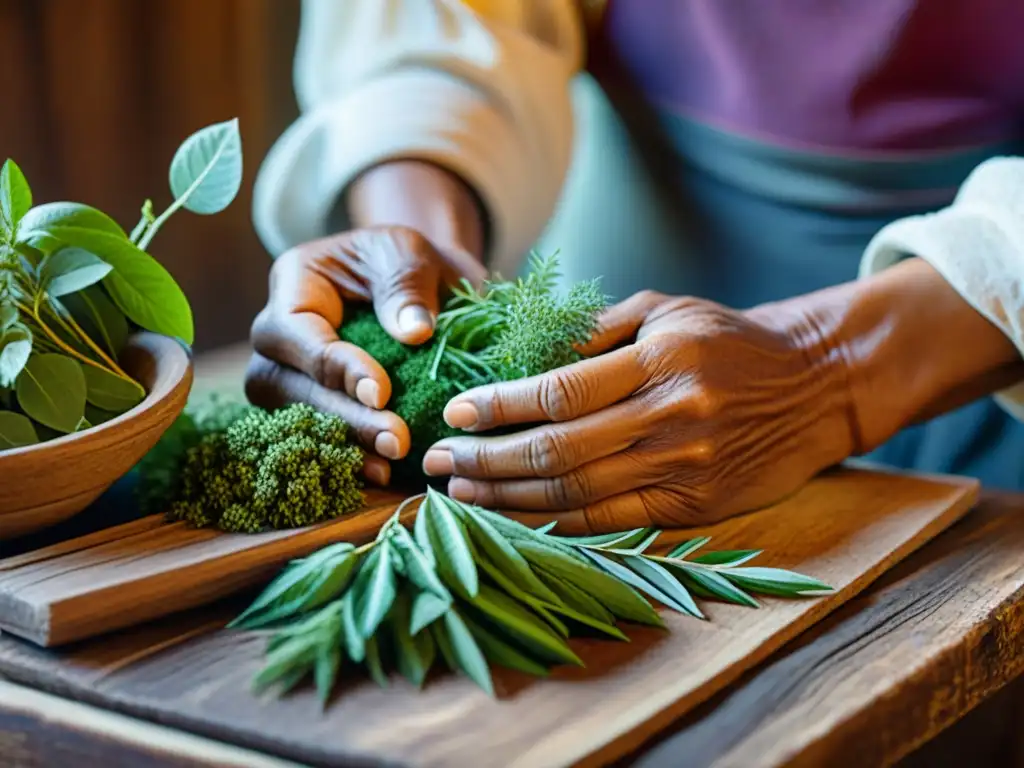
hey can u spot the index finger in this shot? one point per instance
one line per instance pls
(561, 395)
(299, 328)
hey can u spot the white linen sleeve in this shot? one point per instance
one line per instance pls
(977, 244)
(480, 87)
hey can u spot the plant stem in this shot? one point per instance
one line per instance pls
(144, 222)
(147, 237)
(55, 339)
(77, 330)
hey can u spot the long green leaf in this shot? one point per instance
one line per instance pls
(380, 591)
(452, 553)
(51, 390)
(466, 653)
(497, 651)
(687, 547)
(576, 598)
(625, 575)
(615, 595)
(325, 671)
(537, 604)
(727, 558)
(104, 323)
(713, 584)
(374, 663)
(418, 568)
(666, 588)
(776, 581)
(355, 645)
(71, 269)
(15, 198)
(426, 609)
(524, 626)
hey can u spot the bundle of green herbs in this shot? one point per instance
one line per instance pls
(473, 588)
(506, 330)
(73, 284)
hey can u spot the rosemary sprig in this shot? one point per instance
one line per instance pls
(471, 588)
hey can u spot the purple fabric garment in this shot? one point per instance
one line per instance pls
(834, 76)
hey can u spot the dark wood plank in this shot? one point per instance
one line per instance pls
(846, 528)
(888, 671)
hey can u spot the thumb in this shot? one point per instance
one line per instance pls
(405, 294)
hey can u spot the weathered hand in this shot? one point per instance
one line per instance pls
(705, 412)
(298, 355)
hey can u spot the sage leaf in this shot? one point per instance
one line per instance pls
(104, 323)
(663, 586)
(111, 392)
(688, 547)
(625, 575)
(15, 198)
(465, 652)
(71, 269)
(355, 645)
(421, 535)
(575, 598)
(325, 671)
(524, 626)
(44, 219)
(714, 584)
(499, 652)
(625, 539)
(636, 549)
(16, 431)
(536, 603)
(727, 558)
(286, 660)
(411, 664)
(517, 533)
(419, 570)
(439, 632)
(448, 543)
(374, 664)
(51, 390)
(615, 595)
(206, 172)
(139, 285)
(426, 609)
(776, 581)
(380, 591)
(15, 350)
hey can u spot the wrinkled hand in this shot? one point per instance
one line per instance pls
(705, 412)
(298, 355)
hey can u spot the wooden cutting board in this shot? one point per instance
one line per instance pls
(846, 528)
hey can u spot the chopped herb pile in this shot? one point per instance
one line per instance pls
(507, 330)
(471, 588)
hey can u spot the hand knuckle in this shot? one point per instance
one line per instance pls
(569, 491)
(549, 454)
(562, 396)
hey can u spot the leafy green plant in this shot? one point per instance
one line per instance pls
(506, 330)
(471, 588)
(73, 283)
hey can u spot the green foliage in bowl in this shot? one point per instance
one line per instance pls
(73, 284)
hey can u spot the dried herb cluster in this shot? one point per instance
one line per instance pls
(472, 588)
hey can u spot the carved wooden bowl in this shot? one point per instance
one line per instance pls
(49, 482)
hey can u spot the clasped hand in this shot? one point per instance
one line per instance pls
(684, 412)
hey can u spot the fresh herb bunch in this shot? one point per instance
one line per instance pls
(507, 330)
(243, 469)
(73, 282)
(475, 588)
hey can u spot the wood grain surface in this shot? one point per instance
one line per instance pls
(847, 527)
(148, 568)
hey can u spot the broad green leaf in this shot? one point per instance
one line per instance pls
(426, 609)
(714, 584)
(72, 269)
(206, 172)
(15, 349)
(448, 543)
(524, 626)
(42, 219)
(16, 431)
(726, 557)
(374, 664)
(379, 591)
(51, 390)
(497, 651)
(418, 568)
(110, 392)
(616, 596)
(139, 285)
(97, 416)
(538, 604)
(8, 315)
(776, 581)
(625, 575)
(465, 652)
(104, 323)
(15, 198)
(687, 547)
(421, 535)
(517, 533)
(411, 664)
(672, 592)
(355, 645)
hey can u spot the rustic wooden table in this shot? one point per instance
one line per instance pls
(935, 638)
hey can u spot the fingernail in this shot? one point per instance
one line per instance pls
(415, 319)
(437, 463)
(462, 490)
(368, 393)
(461, 415)
(386, 445)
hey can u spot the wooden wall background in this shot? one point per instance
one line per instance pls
(95, 96)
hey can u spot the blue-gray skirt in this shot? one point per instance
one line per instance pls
(656, 202)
